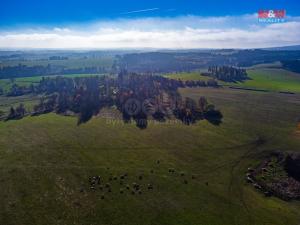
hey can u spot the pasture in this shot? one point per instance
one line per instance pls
(46, 162)
(273, 80)
(261, 77)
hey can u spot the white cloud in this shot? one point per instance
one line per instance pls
(61, 30)
(181, 32)
(141, 10)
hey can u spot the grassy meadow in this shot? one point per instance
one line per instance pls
(273, 80)
(270, 78)
(46, 162)
(187, 76)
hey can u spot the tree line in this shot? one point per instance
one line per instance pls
(137, 97)
(292, 65)
(227, 73)
(7, 72)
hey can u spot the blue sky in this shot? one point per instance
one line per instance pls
(145, 24)
(55, 12)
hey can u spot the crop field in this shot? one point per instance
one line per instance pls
(46, 162)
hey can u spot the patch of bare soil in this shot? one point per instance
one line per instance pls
(278, 175)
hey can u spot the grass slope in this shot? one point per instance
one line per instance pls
(46, 160)
(262, 77)
(273, 79)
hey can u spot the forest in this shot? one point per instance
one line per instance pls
(137, 97)
(292, 65)
(159, 62)
(227, 73)
(7, 72)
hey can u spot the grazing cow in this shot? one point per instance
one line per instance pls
(250, 180)
(250, 170)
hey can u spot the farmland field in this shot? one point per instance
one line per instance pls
(187, 76)
(273, 79)
(261, 77)
(46, 162)
(189, 175)
(149, 112)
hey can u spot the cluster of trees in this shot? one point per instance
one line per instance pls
(16, 113)
(137, 97)
(227, 73)
(78, 95)
(51, 85)
(46, 104)
(17, 90)
(7, 72)
(159, 99)
(189, 111)
(201, 83)
(292, 65)
(58, 58)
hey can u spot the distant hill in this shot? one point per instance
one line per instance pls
(292, 65)
(284, 48)
(168, 62)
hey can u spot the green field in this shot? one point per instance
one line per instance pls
(273, 79)
(46, 161)
(188, 76)
(261, 77)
